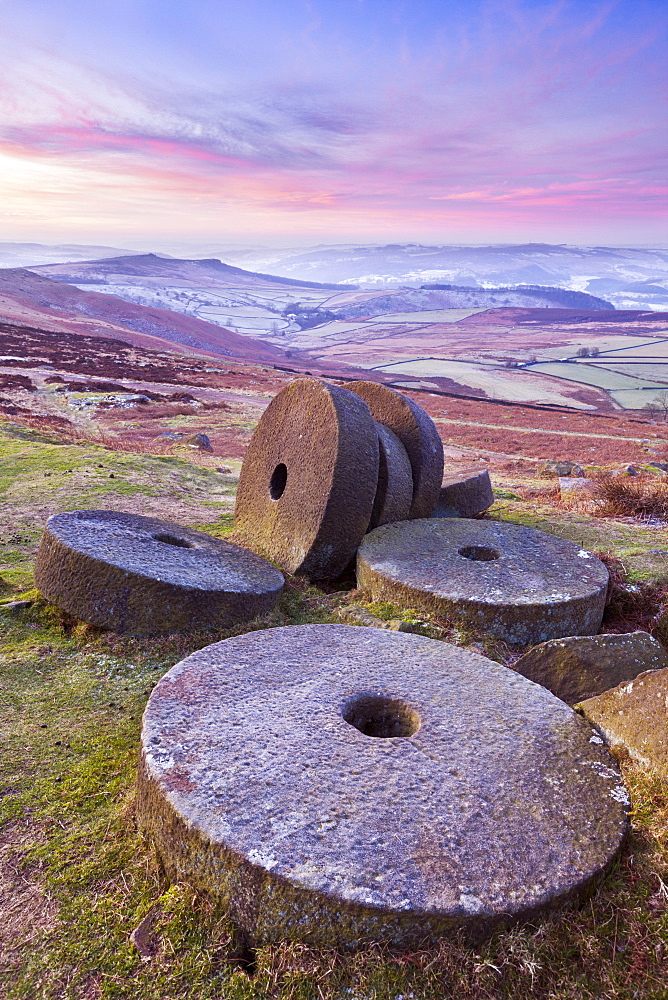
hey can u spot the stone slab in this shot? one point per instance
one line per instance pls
(417, 432)
(394, 491)
(580, 667)
(635, 715)
(465, 494)
(144, 576)
(309, 479)
(338, 785)
(516, 583)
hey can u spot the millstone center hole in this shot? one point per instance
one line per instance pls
(479, 553)
(375, 715)
(278, 481)
(172, 540)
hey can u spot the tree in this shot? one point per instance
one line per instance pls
(594, 352)
(582, 352)
(661, 400)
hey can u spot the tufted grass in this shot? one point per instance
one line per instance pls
(76, 878)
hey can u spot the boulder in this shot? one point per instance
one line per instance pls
(635, 715)
(465, 494)
(579, 667)
(200, 441)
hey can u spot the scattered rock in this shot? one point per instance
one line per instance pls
(409, 790)
(515, 583)
(14, 607)
(558, 468)
(224, 469)
(580, 667)
(662, 466)
(635, 715)
(417, 432)
(309, 478)
(465, 494)
(200, 441)
(143, 576)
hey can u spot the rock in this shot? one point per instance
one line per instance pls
(15, 607)
(580, 667)
(571, 485)
(338, 786)
(558, 468)
(309, 479)
(512, 582)
(143, 576)
(417, 432)
(578, 472)
(465, 494)
(662, 466)
(200, 441)
(394, 492)
(635, 715)
(224, 469)
(626, 470)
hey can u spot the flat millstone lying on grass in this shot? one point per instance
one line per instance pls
(144, 576)
(338, 785)
(516, 583)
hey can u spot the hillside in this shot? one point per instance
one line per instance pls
(32, 299)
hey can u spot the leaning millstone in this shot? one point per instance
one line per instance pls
(339, 785)
(417, 432)
(143, 576)
(309, 479)
(515, 583)
(465, 494)
(394, 492)
(580, 667)
(635, 715)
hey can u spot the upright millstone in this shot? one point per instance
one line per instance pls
(340, 785)
(309, 478)
(143, 576)
(417, 432)
(516, 583)
(394, 493)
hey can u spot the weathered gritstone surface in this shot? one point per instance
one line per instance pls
(144, 576)
(521, 585)
(309, 478)
(394, 492)
(337, 785)
(417, 432)
(465, 494)
(635, 715)
(580, 667)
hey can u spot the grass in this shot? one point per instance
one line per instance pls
(76, 878)
(631, 496)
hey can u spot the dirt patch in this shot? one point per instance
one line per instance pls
(27, 912)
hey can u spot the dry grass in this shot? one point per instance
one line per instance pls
(631, 496)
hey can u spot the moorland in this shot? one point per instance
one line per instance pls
(104, 404)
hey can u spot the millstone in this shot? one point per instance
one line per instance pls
(417, 432)
(143, 576)
(394, 492)
(309, 478)
(335, 785)
(516, 583)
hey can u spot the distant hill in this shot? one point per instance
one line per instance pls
(152, 265)
(435, 296)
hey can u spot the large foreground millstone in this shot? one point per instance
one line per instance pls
(309, 478)
(516, 583)
(144, 576)
(338, 785)
(417, 432)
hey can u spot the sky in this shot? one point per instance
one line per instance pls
(133, 122)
